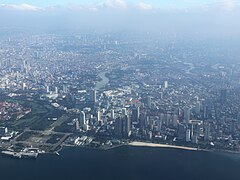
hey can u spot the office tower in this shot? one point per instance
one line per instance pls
(195, 139)
(233, 126)
(3, 131)
(159, 125)
(175, 120)
(181, 131)
(118, 127)
(93, 96)
(65, 88)
(149, 102)
(82, 119)
(198, 108)
(161, 95)
(24, 86)
(186, 117)
(150, 135)
(77, 125)
(99, 115)
(207, 132)
(127, 126)
(143, 120)
(135, 114)
(48, 89)
(188, 135)
(56, 90)
(112, 114)
(124, 112)
(123, 127)
(165, 84)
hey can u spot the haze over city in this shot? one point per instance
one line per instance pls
(199, 18)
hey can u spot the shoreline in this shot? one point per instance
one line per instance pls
(148, 144)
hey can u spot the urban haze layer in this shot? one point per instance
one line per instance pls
(107, 90)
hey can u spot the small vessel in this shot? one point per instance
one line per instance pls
(30, 155)
(12, 154)
(57, 153)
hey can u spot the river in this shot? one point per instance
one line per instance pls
(104, 80)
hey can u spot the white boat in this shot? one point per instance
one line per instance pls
(31, 155)
(12, 154)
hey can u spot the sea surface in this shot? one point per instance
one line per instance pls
(123, 163)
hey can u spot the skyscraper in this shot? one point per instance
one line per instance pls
(188, 135)
(93, 96)
(207, 132)
(187, 112)
(123, 127)
(124, 112)
(112, 114)
(135, 114)
(149, 101)
(82, 119)
(165, 84)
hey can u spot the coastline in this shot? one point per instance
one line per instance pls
(147, 144)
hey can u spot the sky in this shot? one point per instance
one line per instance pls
(201, 17)
(162, 4)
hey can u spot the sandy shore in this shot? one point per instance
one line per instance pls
(144, 144)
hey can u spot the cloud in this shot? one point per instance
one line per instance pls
(144, 6)
(119, 4)
(228, 5)
(20, 7)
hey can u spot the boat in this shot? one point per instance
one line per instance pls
(30, 155)
(12, 154)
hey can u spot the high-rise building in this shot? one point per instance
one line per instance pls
(77, 125)
(149, 101)
(165, 84)
(48, 89)
(118, 127)
(82, 119)
(135, 114)
(112, 114)
(195, 139)
(175, 121)
(123, 127)
(127, 126)
(143, 120)
(99, 115)
(181, 131)
(207, 132)
(3, 131)
(65, 88)
(56, 90)
(93, 96)
(187, 113)
(198, 108)
(159, 125)
(124, 112)
(188, 135)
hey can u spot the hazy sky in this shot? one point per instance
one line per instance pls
(163, 4)
(211, 17)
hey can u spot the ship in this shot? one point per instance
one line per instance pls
(12, 154)
(29, 153)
